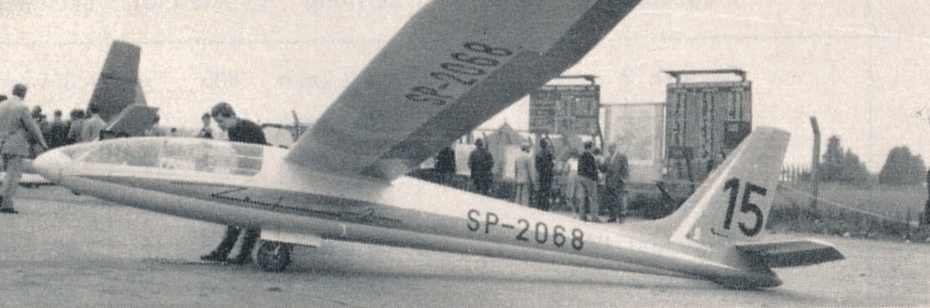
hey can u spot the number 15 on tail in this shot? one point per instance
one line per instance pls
(746, 207)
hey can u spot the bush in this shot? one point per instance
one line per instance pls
(841, 222)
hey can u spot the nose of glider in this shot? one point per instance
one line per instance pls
(50, 164)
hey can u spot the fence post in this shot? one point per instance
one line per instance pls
(815, 164)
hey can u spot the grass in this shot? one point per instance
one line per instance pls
(874, 211)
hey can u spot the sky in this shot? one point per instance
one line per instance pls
(858, 66)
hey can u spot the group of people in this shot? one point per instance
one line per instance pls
(79, 127)
(20, 129)
(593, 174)
(26, 134)
(586, 176)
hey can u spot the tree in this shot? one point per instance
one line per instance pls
(854, 171)
(832, 164)
(902, 168)
(838, 166)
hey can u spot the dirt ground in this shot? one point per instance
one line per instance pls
(79, 251)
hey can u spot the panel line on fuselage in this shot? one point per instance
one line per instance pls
(603, 242)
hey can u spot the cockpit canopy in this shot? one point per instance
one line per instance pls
(190, 154)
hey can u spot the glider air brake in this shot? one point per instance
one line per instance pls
(451, 67)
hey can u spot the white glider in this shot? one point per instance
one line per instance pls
(452, 66)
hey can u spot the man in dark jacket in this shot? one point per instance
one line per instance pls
(587, 180)
(238, 130)
(58, 132)
(544, 166)
(445, 165)
(480, 162)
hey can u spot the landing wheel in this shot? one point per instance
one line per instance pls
(274, 256)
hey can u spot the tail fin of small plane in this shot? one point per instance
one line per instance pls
(118, 85)
(733, 204)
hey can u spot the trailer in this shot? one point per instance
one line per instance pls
(566, 108)
(705, 121)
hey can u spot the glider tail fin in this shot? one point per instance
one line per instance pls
(728, 212)
(733, 204)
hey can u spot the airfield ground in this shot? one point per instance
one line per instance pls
(79, 251)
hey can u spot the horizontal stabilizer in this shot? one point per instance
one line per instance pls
(133, 120)
(792, 253)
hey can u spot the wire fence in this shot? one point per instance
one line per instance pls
(847, 207)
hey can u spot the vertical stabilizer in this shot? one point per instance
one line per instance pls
(118, 85)
(733, 204)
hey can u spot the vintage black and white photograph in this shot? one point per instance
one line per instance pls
(464, 153)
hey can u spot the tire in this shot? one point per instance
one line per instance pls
(274, 256)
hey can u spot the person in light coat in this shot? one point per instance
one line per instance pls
(90, 130)
(17, 128)
(524, 176)
(615, 177)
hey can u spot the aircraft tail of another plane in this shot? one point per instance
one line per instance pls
(118, 85)
(733, 204)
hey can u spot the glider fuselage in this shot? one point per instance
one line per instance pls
(251, 185)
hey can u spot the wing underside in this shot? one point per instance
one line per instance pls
(454, 65)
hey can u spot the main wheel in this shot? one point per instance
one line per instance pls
(274, 256)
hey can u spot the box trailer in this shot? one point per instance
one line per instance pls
(705, 120)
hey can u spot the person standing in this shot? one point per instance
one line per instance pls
(58, 131)
(544, 168)
(445, 165)
(524, 176)
(92, 126)
(75, 126)
(587, 180)
(238, 130)
(16, 129)
(41, 120)
(44, 127)
(615, 176)
(569, 172)
(206, 131)
(480, 162)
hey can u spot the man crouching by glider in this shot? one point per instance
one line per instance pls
(239, 130)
